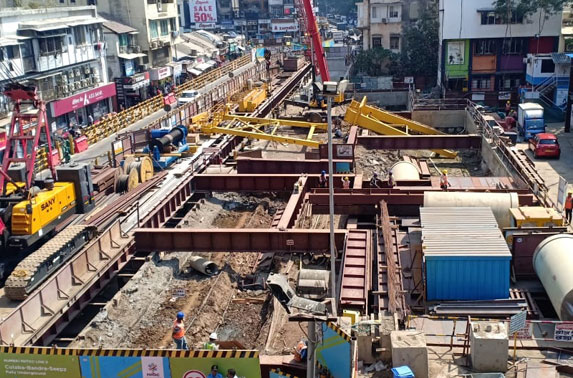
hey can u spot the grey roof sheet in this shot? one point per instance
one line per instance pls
(118, 27)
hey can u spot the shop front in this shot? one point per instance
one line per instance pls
(75, 110)
(161, 79)
(282, 27)
(132, 90)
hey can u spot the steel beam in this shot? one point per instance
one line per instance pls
(235, 240)
(420, 142)
(250, 165)
(256, 182)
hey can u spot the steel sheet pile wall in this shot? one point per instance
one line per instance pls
(465, 254)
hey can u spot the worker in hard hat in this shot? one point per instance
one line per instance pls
(212, 343)
(322, 180)
(301, 351)
(374, 181)
(507, 108)
(568, 207)
(390, 180)
(179, 332)
(215, 372)
(345, 183)
(444, 184)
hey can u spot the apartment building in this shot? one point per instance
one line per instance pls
(382, 21)
(481, 51)
(60, 51)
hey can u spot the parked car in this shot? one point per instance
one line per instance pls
(545, 144)
(187, 96)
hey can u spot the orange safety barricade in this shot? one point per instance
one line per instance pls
(80, 144)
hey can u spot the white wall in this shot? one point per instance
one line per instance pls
(382, 11)
(461, 20)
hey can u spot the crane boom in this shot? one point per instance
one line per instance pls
(312, 30)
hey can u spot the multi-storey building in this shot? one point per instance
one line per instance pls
(382, 21)
(482, 51)
(60, 51)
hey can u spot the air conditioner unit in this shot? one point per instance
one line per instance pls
(384, 21)
(65, 78)
(77, 73)
(159, 6)
(85, 83)
(144, 67)
(87, 70)
(71, 74)
(71, 87)
(137, 49)
(64, 89)
(154, 44)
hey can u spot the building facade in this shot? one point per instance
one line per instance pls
(60, 51)
(382, 21)
(481, 51)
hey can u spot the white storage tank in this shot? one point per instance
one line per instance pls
(500, 203)
(553, 264)
(405, 171)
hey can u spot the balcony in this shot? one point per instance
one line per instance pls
(131, 49)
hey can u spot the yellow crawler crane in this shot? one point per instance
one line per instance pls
(387, 123)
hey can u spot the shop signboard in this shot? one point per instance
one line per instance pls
(78, 101)
(160, 73)
(198, 367)
(134, 367)
(38, 365)
(203, 11)
(136, 81)
(129, 68)
(283, 27)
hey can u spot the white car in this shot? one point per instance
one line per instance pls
(187, 96)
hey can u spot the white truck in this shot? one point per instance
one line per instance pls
(530, 119)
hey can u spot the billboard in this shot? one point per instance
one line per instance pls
(203, 11)
(201, 367)
(134, 367)
(38, 365)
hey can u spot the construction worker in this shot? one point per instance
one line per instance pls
(507, 107)
(346, 183)
(215, 372)
(231, 373)
(390, 180)
(568, 207)
(179, 332)
(300, 351)
(322, 180)
(444, 184)
(374, 181)
(212, 343)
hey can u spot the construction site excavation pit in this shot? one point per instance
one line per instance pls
(232, 302)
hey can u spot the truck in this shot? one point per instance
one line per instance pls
(530, 119)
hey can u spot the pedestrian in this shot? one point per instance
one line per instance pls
(374, 181)
(568, 207)
(444, 184)
(390, 180)
(179, 332)
(215, 372)
(507, 107)
(231, 373)
(322, 180)
(346, 183)
(90, 120)
(212, 343)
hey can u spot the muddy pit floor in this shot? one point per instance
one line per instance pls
(141, 314)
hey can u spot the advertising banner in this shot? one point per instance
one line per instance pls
(456, 52)
(203, 11)
(201, 367)
(133, 367)
(283, 27)
(38, 365)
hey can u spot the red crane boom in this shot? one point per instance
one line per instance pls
(309, 24)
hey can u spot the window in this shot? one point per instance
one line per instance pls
(481, 83)
(374, 11)
(92, 2)
(547, 66)
(485, 47)
(164, 27)
(123, 40)
(153, 32)
(392, 12)
(513, 46)
(80, 35)
(50, 46)
(173, 24)
(491, 18)
(394, 43)
(509, 83)
(376, 41)
(547, 141)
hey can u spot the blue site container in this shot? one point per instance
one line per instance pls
(402, 372)
(465, 254)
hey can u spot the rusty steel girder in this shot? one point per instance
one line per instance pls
(420, 142)
(235, 240)
(279, 166)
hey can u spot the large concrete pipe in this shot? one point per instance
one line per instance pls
(552, 261)
(203, 265)
(500, 203)
(405, 171)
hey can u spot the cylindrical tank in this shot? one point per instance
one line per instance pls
(176, 135)
(405, 171)
(552, 261)
(500, 203)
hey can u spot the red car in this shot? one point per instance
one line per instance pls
(545, 144)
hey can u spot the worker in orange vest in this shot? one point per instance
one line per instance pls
(568, 207)
(179, 332)
(444, 184)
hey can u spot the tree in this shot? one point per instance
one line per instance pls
(528, 7)
(419, 51)
(376, 61)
